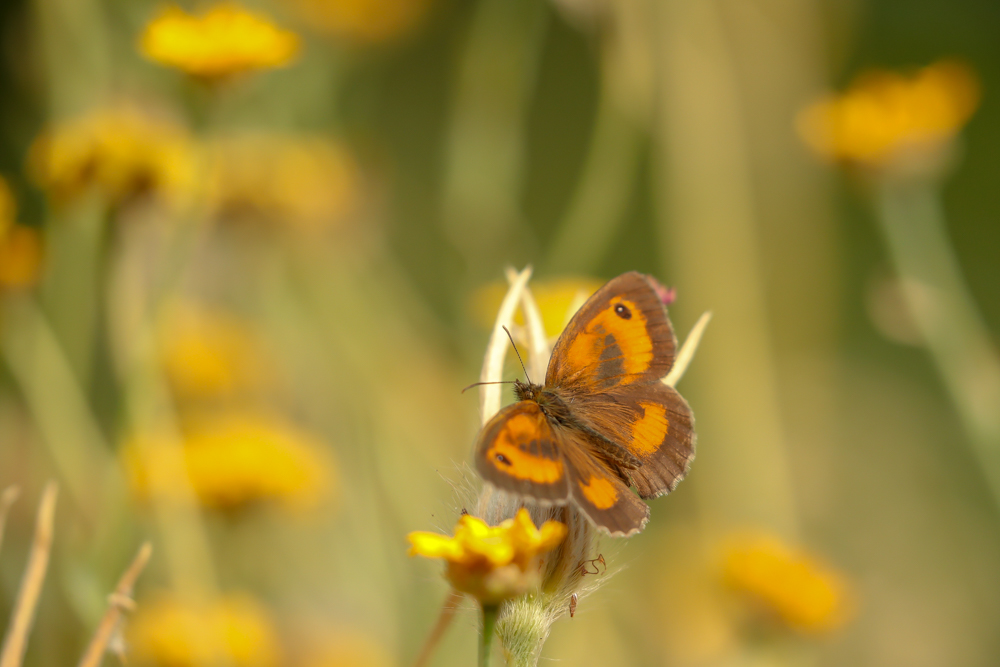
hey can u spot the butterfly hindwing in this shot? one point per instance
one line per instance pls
(600, 494)
(620, 336)
(654, 423)
(518, 451)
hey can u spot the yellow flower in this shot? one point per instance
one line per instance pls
(234, 630)
(307, 182)
(232, 461)
(364, 20)
(225, 40)
(558, 300)
(20, 256)
(121, 150)
(886, 115)
(207, 353)
(341, 649)
(790, 584)
(491, 563)
(20, 246)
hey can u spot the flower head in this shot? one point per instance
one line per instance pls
(225, 40)
(492, 563)
(793, 586)
(885, 115)
(20, 256)
(121, 150)
(20, 246)
(167, 631)
(207, 353)
(307, 182)
(232, 461)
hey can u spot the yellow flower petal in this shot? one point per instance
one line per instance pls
(224, 40)
(169, 631)
(433, 545)
(806, 594)
(20, 256)
(121, 150)
(551, 535)
(491, 563)
(233, 460)
(884, 113)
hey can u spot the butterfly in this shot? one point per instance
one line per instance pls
(603, 421)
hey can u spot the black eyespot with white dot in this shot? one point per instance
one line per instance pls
(504, 460)
(622, 311)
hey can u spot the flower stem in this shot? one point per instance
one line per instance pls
(957, 338)
(486, 640)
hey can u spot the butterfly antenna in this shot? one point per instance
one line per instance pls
(476, 384)
(518, 355)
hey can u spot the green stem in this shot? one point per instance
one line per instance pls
(957, 338)
(602, 194)
(486, 639)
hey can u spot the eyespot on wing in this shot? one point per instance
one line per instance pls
(519, 451)
(620, 336)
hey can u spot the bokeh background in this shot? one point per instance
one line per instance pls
(247, 268)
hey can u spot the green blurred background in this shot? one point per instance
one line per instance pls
(583, 137)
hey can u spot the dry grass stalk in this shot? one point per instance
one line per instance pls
(686, 353)
(7, 498)
(23, 617)
(120, 600)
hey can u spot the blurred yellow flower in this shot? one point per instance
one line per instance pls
(558, 300)
(232, 461)
(885, 115)
(364, 20)
(308, 182)
(121, 150)
(20, 256)
(235, 630)
(340, 649)
(207, 353)
(788, 583)
(226, 39)
(20, 246)
(491, 563)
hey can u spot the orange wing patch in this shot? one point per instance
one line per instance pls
(599, 491)
(519, 450)
(650, 430)
(616, 339)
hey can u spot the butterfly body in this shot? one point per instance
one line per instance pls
(603, 421)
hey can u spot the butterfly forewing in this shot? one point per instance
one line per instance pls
(620, 336)
(518, 451)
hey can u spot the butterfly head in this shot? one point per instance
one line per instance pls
(527, 391)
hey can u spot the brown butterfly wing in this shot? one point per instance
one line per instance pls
(654, 423)
(519, 452)
(620, 336)
(600, 494)
(608, 364)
